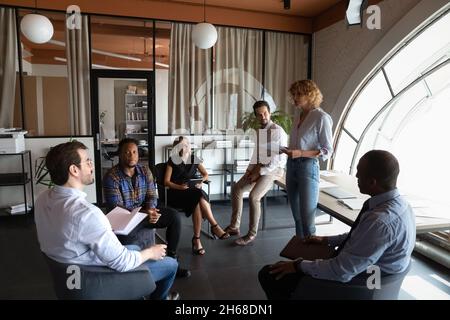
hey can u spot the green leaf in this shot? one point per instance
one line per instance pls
(281, 118)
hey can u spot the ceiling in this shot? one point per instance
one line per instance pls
(132, 39)
(300, 8)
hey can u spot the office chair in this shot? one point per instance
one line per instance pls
(100, 283)
(310, 288)
(158, 173)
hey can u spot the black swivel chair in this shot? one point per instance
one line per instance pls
(100, 283)
(310, 288)
(158, 173)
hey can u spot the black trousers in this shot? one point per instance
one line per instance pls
(169, 219)
(278, 289)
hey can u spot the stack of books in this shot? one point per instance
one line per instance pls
(141, 104)
(18, 209)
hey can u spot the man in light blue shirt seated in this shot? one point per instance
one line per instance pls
(72, 230)
(384, 234)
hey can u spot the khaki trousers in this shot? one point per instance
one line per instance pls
(258, 189)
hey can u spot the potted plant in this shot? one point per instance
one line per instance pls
(281, 118)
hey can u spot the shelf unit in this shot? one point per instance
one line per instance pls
(136, 115)
(228, 169)
(16, 179)
(136, 122)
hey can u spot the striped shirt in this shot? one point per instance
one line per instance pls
(130, 192)
(385, 236)
(315, 133)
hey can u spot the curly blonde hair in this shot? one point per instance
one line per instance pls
(307, 89)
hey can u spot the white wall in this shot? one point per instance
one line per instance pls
(40, 146)
(162, 100)
(45, 70)
(106, 103)
(338, 50)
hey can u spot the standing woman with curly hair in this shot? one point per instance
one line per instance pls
(310, 139)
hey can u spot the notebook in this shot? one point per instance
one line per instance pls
(338, 193)
(123, 221)
(297, 249)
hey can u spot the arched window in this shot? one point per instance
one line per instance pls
(404, 107)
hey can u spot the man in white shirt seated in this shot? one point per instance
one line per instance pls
(266, 166)
(72, 230)
(384, 234)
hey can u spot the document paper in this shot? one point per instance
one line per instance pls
(123, 221)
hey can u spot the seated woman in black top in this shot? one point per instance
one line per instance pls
(181, 167)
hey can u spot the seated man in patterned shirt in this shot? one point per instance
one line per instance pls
(130, 185)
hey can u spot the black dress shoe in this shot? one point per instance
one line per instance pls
(183, 273)
(173, 296)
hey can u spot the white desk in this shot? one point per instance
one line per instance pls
(427, 219)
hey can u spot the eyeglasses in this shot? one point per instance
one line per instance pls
(89, 161)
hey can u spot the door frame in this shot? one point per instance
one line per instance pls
(95, 114)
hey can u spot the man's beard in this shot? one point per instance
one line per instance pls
(88, 180)
(130, 166)
(127, 165)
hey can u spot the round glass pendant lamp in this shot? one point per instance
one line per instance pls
(36, 28)
(204, 35)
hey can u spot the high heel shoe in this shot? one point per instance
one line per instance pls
(199, 251)
(224, 235)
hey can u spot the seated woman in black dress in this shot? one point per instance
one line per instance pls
(181, 167)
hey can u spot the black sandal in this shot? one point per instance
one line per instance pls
(199, 251)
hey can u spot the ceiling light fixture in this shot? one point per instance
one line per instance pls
(204, 34)
(355, 12)
(105, 53)
(36, 27)
(101, 66)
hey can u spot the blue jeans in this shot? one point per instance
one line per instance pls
(163, 272)
(302, 184)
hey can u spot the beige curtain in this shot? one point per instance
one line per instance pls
(8, 66)
(237, 75)
(189, 82)
(286, 62)
(77, 53)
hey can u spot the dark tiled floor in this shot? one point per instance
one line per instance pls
(226, 272)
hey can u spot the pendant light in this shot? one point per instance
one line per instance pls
(204, 34)
(36, 27)
(355, 12)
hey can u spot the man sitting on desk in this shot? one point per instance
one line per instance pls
(130, 185)
(384, 234)
(266, 166)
